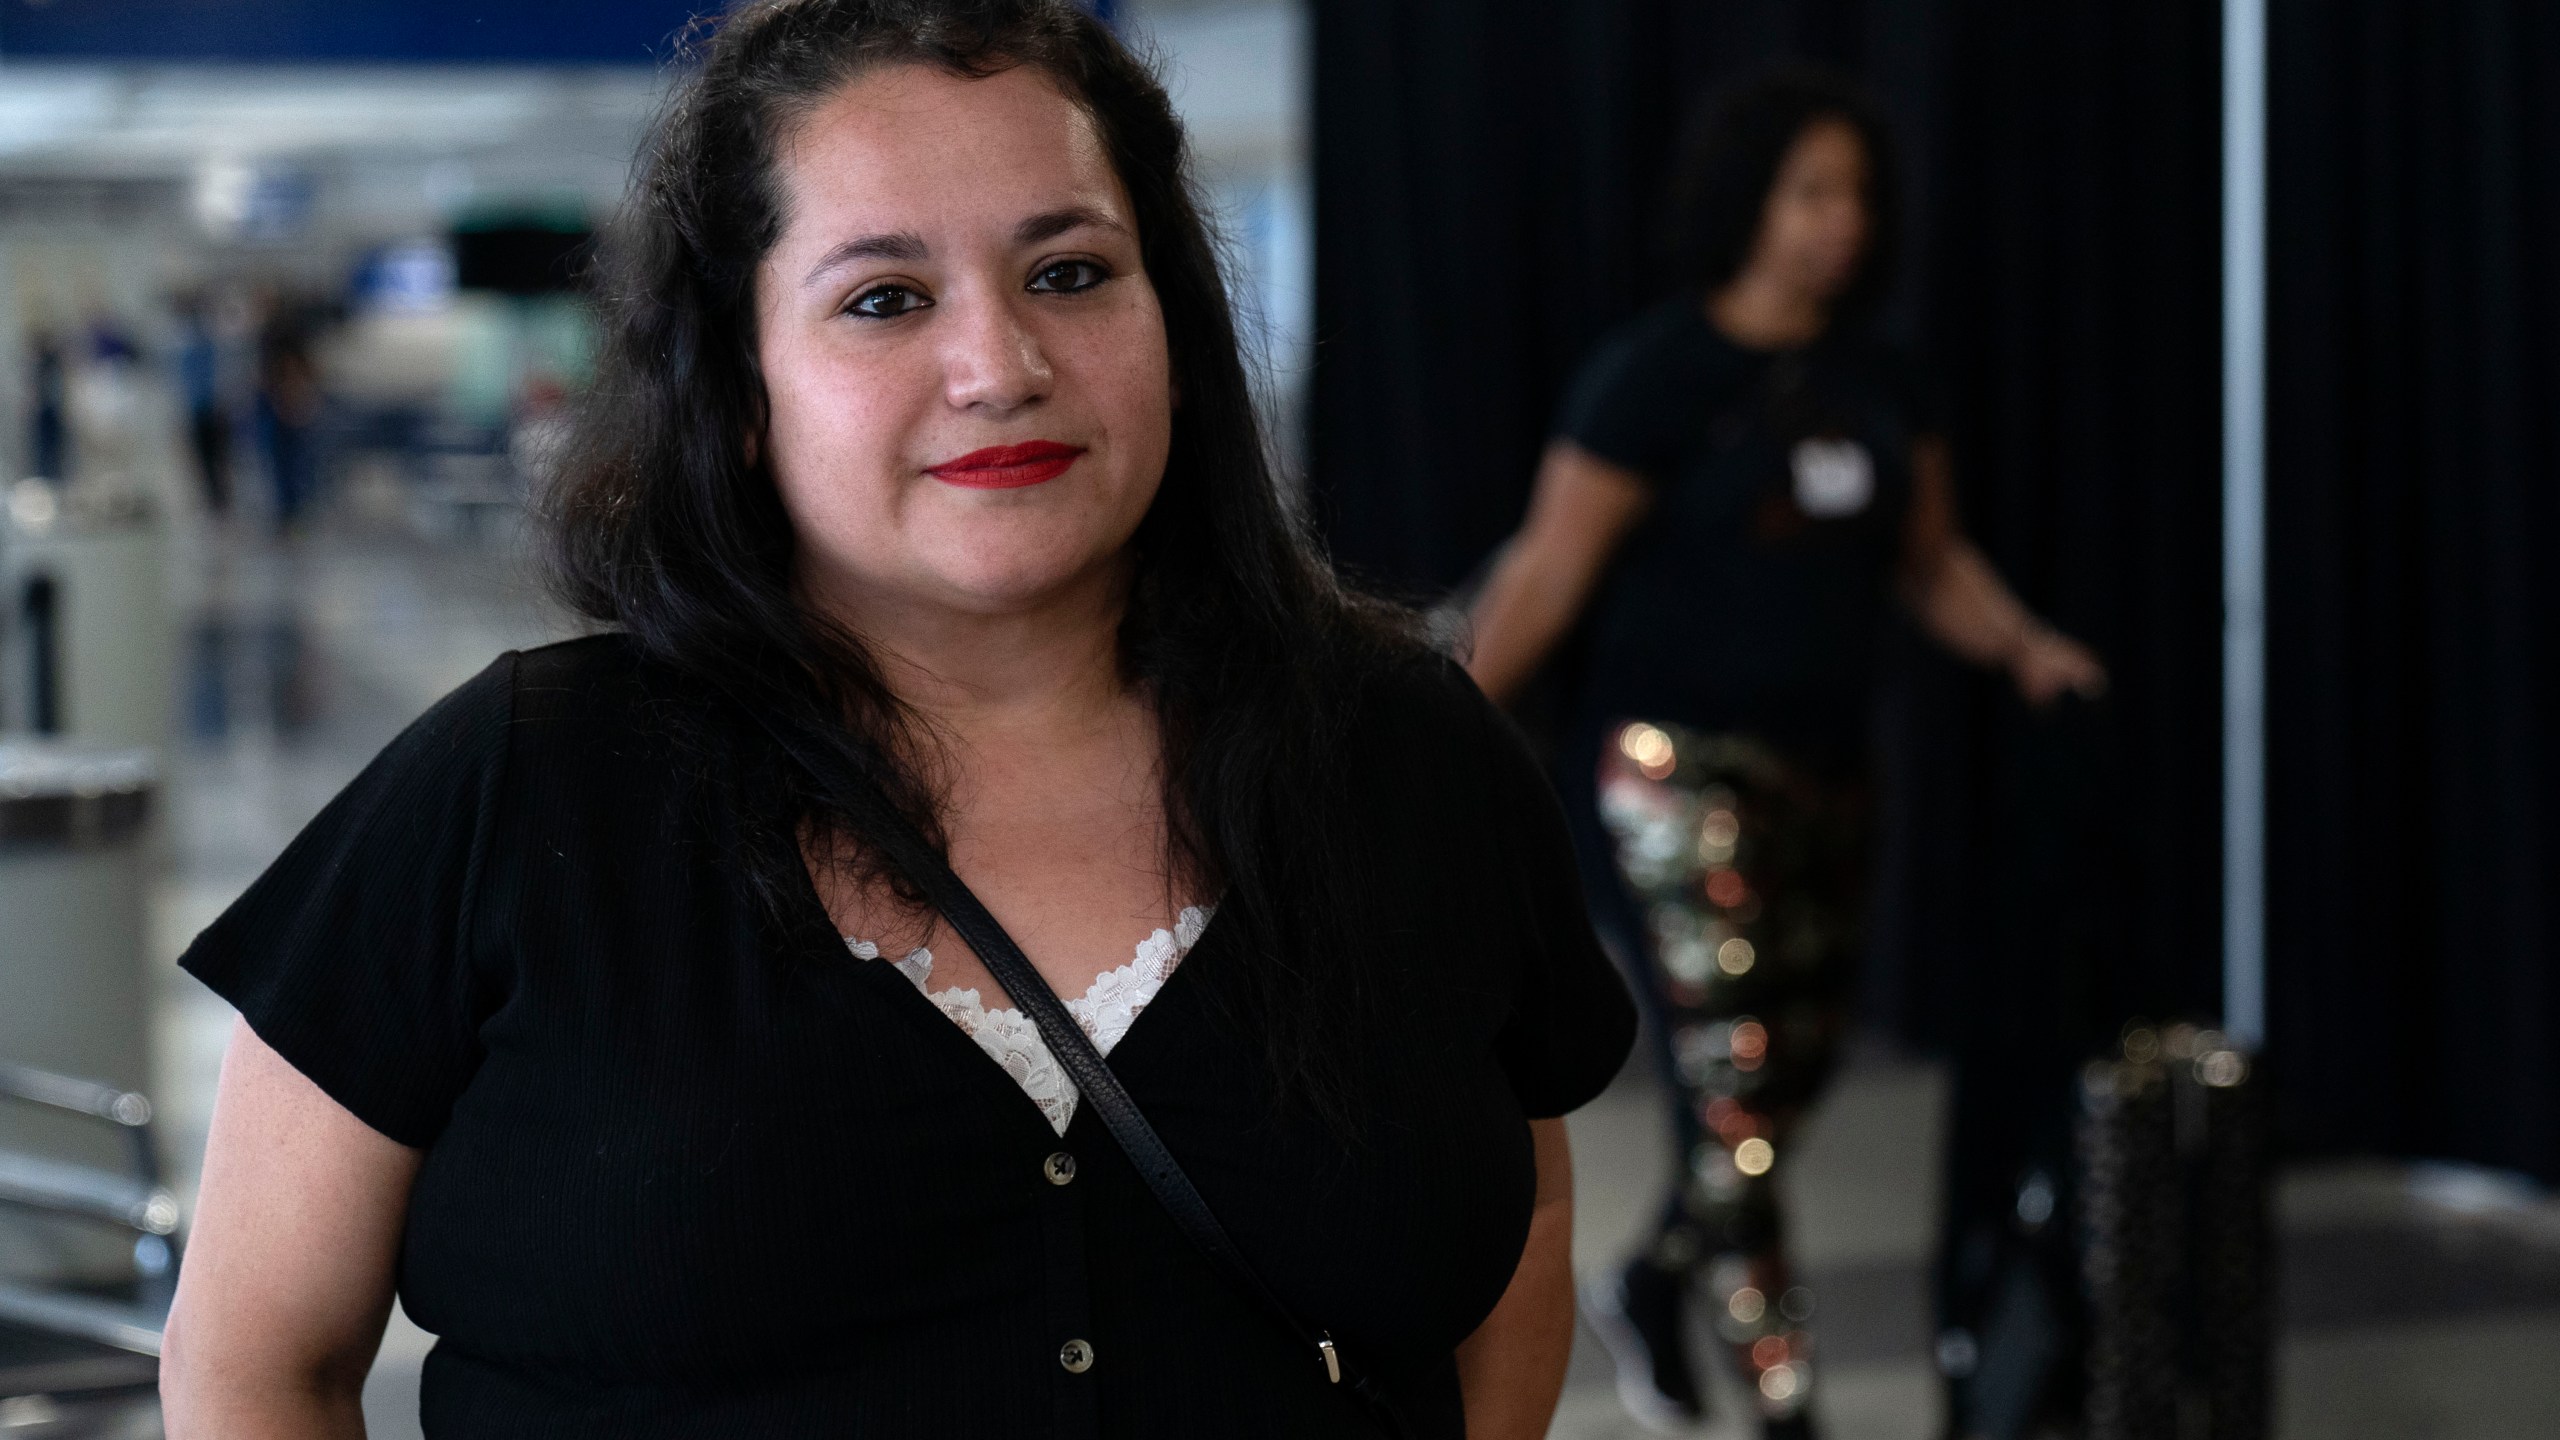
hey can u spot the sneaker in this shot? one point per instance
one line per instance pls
(1638, 1313)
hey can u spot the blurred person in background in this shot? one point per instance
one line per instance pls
(200, 389)
(1740, 478)
(289, 403)
(118, 418)
(923, 490)
(49, 407)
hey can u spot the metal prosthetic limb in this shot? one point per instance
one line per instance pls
(1748, 869)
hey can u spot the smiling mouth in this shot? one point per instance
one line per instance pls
(1007, 467)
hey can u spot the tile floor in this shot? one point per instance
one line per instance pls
(2416, 1304)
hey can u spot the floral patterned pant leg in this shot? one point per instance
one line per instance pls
(1748, 869)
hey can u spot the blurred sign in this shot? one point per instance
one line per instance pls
(243, 200)
(415, 277)
(634, 32)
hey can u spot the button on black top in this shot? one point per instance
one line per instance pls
(1060, 1168)
(693, 1172)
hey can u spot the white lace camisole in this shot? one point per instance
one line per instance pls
(1106, 1010)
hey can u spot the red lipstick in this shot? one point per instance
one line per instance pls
(1007, 467)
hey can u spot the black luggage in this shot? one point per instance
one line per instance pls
(2171, 1145)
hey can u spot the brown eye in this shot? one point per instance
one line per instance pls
(885, 302)
(1069, 277)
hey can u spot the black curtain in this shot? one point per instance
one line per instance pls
(2414, 475)
(2073, 304)
(1487, 173)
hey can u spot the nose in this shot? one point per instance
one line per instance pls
(993, 362)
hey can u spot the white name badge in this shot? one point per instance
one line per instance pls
(1833, 478)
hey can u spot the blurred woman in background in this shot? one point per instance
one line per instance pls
(199, 373)
(289, 404)
(1739, 479)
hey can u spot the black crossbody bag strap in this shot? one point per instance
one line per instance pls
(1073, 1049)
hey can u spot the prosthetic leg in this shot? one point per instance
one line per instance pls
(1748, 868)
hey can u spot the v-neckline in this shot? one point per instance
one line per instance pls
(1110, 1007)
(816, 920)
(1180, 950)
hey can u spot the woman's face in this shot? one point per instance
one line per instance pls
(1814, 229)
(970, 399)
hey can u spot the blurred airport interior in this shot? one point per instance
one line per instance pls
(289, 313)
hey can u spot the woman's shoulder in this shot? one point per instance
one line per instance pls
(1419, 684)
(1640, 385)
(1419, 715)
(581, 675)
(1671, 330)
(590, 695)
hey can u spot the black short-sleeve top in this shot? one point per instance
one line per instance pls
(1751, 594)
(691, 1173)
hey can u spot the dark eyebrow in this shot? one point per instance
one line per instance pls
(907, 247)
(1050, 224)
(904, 246)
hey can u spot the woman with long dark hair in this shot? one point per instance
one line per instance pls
(637, 1011)
(1740, 478)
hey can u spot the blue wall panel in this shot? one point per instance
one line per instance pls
(632, 32)
(608, 32)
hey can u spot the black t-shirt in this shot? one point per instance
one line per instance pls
(1750, 595)
(686, 1178)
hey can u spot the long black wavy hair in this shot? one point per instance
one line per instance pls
(1727, 164)
(663, 525)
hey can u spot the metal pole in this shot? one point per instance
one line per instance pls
(2244, 530)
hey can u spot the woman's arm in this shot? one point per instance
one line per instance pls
(288, 1276)
(1512, 1369)
(1962, 603)
(1582, 507)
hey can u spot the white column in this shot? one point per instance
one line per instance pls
(2244, 530)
